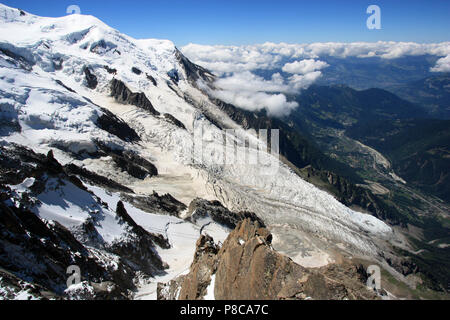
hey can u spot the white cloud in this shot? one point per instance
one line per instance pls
(228, 59)
(298, 82)
(275, 104)
(235, 65)
(442, 65)
(247, 81)
(251, 92)
(304, 66)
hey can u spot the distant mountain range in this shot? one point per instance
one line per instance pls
(376, 72)
(432, 93)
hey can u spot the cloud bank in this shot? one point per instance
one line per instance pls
(300, 65)
(254, 93)
(304, 66)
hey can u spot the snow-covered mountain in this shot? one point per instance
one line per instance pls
(121, 115)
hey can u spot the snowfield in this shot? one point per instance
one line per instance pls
(49, 98)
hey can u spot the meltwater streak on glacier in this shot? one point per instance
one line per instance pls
(298, 213)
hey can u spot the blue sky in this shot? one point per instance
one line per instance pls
(233, 22)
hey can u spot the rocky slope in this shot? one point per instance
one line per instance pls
(246, 267)
(39, 251)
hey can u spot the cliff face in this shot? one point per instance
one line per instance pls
(122, 94)
(247, 268)
(35, 252)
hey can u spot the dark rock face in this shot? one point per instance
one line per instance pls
(165, 204)
(64, 86)
(195, 284)
(200, 209)
(17, 59)
(58, 64)
(136, 71)
(95, 179)
(174, 121)
(102, 46)
(8, 126)
(91, 79)
(18, 163)
(139, 249)
(174, 76)
(149, 77)
(116, 126)
(111, 70)
(127, 161)
(404, 265)
(9, 120)
(13, 285)
(247, 268)
(124, 95)
(193, 71)
(134, 165)
(39, 253)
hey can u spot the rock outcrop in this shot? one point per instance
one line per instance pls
(195, 284)
(247, 268)
(124, 95)
(134, 165)
(170, 118)
(116, 126)
(39, 253)
(95, 179)
(154, 203)
(194, 72)
(201, 209)
(153, 80)
(91, 78)
(136, 71)
(35, 253)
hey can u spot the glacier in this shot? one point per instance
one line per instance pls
(44, 92)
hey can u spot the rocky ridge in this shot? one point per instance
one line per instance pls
(246, 267)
